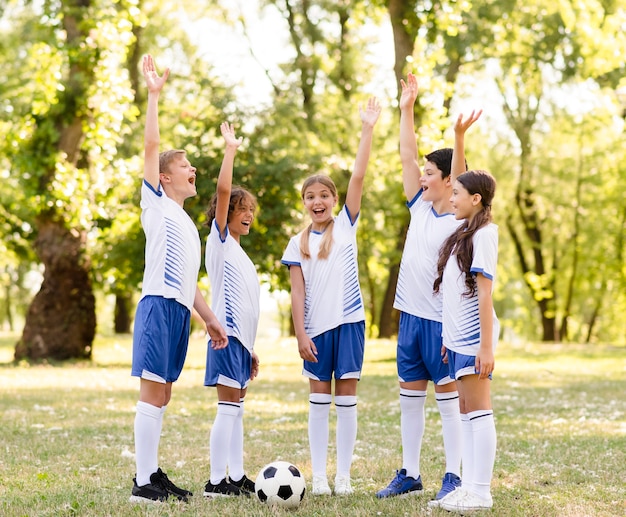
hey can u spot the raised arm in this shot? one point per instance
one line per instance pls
(154, 84)
(411, 172)
(225, 178)
(458, 154)
(369, 117)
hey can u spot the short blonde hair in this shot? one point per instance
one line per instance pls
(167, 157)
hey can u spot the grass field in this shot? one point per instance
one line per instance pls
(66, 434)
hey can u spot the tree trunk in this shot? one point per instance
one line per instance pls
(405, 25)
(123, 302)
(389, 318)
(61, 320)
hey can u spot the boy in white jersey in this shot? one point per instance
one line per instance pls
(466, 272)
(236, 295)
(327, 310)
(170, 292)
(418, 356)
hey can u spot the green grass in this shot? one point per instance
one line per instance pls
(66, 434)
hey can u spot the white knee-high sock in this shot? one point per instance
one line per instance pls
(412, 423)
(235, 456)
(319, 409)
(448, 404)
(147, 436)
(467, 460)
(221, 436)
(484, 433)
(163, 409)
(346, 407)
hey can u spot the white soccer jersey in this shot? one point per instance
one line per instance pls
(461, 322)
(235, 286)
(172, 248)
(418, 268)
(332, 289)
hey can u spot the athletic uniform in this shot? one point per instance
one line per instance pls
(335, 323)
(172, 256)
(418, 355)
(461, 322)
(236, 304)
(419, 335)
(461, 336)
(161, 332)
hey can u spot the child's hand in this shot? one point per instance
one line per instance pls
(307, 349)
(228, 133)
(153, 81)
(218, 336)
(485, 363)
(254, 371)
(462, 126)
(409, 91)
(369, 116)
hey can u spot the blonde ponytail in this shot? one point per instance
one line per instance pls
(326, 243)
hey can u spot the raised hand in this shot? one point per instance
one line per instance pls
(409, 91)
(153, 81)
(461, 126)
(370, 114)
(228, 132)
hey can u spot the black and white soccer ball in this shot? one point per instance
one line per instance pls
(280, 484)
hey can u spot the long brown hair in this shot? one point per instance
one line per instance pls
(461, 241)
(327, 239)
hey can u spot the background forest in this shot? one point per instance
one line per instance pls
(550, 77)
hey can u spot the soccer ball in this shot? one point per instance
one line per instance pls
(281, 484)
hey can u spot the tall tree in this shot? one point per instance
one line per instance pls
(528, 60)
(62, 137)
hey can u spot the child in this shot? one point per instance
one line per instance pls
(170, 291)
(236, 295)
(418, 354)
(466, 272)
(327, 310)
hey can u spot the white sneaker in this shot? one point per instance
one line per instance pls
(343, 486)
(436, 503)
(320, 486)
(461, 501)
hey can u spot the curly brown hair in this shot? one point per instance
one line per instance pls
(238, 196)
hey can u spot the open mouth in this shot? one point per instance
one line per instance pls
(192, 179)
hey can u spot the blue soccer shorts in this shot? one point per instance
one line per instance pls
(230, 366)
(160, 339)
(339, 352)
(418, 353)
(461, 365)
